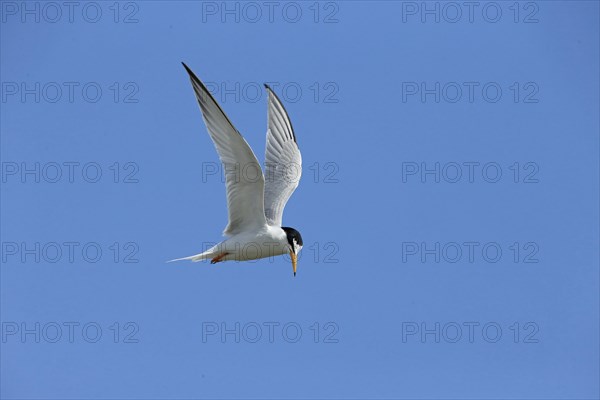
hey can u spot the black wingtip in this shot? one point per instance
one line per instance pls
(294, 274)
(193, 77)
(282, 106)
(189, 71)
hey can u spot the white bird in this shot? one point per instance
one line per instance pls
(255, 202)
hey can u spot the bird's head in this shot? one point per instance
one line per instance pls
(295, 244)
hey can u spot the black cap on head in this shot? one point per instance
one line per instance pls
(291, 235)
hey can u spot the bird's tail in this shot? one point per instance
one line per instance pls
(198, 257)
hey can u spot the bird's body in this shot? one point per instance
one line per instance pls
(255, 201)
(268, 241)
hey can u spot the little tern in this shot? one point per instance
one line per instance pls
(255, 201)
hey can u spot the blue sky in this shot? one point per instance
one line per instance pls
(449, 202)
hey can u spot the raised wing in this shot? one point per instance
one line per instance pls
(243, 176)
(283, 162)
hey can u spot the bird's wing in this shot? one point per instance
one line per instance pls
(283, 162)
(243, 176)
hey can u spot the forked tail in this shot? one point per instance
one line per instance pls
(198, 257)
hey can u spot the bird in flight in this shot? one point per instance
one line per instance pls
(255, 201)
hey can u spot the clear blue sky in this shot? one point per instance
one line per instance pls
(425, 273)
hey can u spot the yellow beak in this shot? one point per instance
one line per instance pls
(294, 261)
